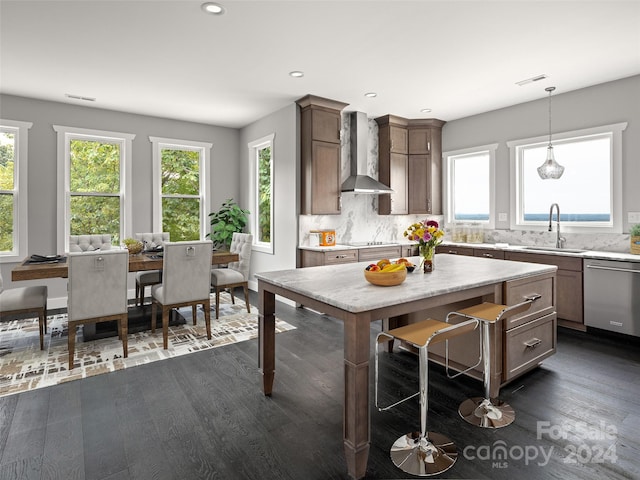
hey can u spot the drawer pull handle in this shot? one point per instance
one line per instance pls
(533, 343)
(453, 252)
(488, 255)
(341, 256)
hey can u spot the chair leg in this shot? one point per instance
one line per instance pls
(42, 318)
(71, 343)
(124, 329)
(217, 303)
(233, 298)
(424, 453)
(481, 411)
(207, 317)
(246, 297)
(194, 313)
(165, 327)
(153, 316)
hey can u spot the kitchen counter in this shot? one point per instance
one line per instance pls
(353, 247)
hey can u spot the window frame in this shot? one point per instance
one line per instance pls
(20, 130)
(160, 143)
(448, 182)
(65, 136)
(253, 148)
(517, 221)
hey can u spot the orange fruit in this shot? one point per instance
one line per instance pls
(383, 262)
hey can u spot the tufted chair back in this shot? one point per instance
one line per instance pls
(153, 240)
(89, 243)
(241, 244)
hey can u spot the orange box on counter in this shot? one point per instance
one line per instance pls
(327, 237)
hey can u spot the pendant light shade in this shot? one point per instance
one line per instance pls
(550, 168)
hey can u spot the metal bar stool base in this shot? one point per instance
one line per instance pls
(424, 456)
(481, 412)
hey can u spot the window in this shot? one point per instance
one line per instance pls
(469, 179)
(589, 191)
(181, 188)
(261, 160)
(93, 183)
(13, 189)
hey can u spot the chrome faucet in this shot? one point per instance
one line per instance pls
(559, 240)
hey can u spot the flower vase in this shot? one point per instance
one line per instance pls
(428, 256)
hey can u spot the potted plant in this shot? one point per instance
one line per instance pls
(634, 231)
(230, 218)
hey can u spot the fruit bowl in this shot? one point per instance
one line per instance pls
(386, 279)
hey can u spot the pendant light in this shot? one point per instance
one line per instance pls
(550, 168)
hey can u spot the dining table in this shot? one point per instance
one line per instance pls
(342, 292)
(57, 267)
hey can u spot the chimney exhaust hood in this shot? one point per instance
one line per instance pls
(359, 181)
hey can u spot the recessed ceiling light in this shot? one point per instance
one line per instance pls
(537, 78)
(426, 110)
(296, 74)
(213, 8)
(80, 97)
(371, 94)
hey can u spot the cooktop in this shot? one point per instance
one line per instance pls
(371, 244)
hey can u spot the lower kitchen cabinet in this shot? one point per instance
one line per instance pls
(378, 253)
(314, 258)
(453, 250)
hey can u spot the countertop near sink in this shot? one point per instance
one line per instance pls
(353, 247)
(628, 257)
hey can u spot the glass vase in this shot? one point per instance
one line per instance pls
(427, 252)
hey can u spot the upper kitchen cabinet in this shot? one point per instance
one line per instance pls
(393, 164)
(320, 167)
(410, 162)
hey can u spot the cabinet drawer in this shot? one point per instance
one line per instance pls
(529, 344)
(516, 291)
(340, 256)
(488, 253)
(562, 262)
(378, 253)
(454, 250)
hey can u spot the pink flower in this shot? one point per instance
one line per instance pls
(426, 237)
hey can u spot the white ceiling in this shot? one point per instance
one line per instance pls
(170, 59)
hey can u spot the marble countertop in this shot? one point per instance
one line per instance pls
(344, 286)
(352, 247)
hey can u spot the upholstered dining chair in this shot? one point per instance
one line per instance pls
(14, 301)
(150, 277)
(237, 273)
(186, 271)
(97, 292)
(89, 243)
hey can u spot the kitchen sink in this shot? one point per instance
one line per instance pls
(555, 249)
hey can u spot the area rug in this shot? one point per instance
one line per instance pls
(23, 366)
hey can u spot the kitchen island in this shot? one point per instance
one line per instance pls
(341, 291)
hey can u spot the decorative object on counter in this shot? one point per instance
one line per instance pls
(550, 168)
(134, 246)
(634, 232)
(475, 234)
(326, 238)
(230, 218)
(428, 235)
(458, 232)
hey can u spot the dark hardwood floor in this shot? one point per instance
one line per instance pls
(203, 416)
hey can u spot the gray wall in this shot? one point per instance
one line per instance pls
(283, 124)
(603, 104)
(225, 164)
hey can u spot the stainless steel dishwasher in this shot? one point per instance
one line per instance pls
(612, 295)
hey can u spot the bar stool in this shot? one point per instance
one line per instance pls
(481, 411)
(422, 453)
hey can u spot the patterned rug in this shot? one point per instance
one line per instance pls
(23, 366)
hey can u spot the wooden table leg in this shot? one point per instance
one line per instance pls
(267, 337)
(356, 395)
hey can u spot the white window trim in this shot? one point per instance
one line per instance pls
(253, 147)
(158, 143)
(616, 130)
(65, 135)
(21, 225)
(447, 181)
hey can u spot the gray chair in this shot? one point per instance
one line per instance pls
(185, 282)
(89, 243)
(237, 273)
(14, 301)
(97, 292)
(150, 277)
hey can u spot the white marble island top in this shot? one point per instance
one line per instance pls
(344, 286)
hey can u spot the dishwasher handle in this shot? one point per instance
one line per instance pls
(614, 269)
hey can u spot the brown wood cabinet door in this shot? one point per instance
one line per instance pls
(325, 178)
(419, 180)
(325, 125)
(399, 139)
(570, 296)
(419, 140)
(398, 177)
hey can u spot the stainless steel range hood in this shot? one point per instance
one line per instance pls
(359, 181)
